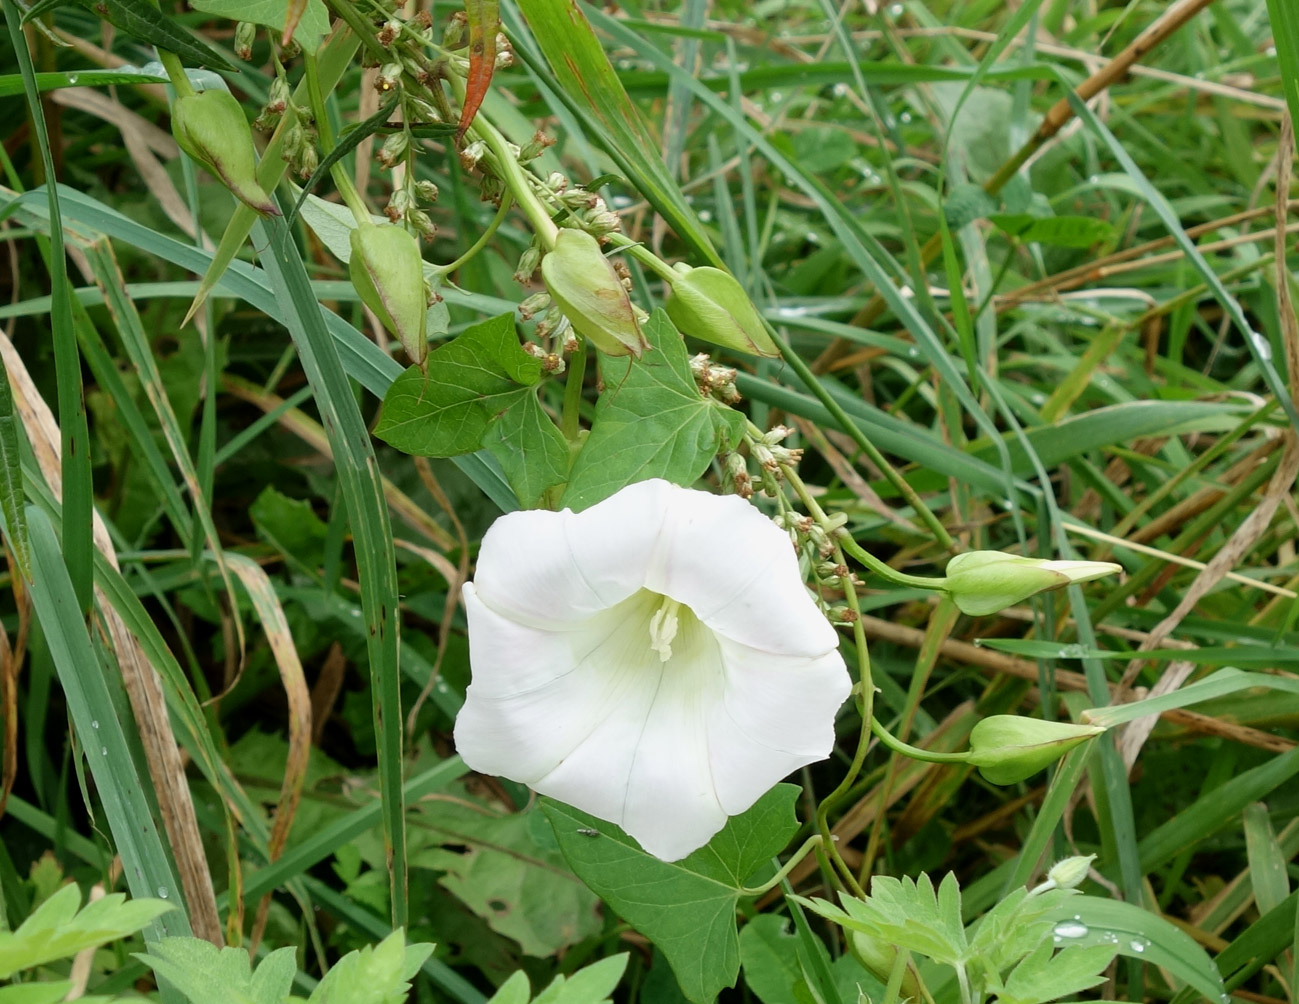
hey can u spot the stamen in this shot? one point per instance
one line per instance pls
(663, 628)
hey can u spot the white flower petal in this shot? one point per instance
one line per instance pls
(654, 661)
(720, 556)
(536, 694)
(546, 566)
(777, 715)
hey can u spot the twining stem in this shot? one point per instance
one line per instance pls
(809, 845)
(915, 752)
(884, 570)
(483, 238)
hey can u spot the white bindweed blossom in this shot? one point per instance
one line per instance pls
(654, 660)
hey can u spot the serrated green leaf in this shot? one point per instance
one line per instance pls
(210, 975)
(515, 990)
(907, 913)
(1046, 975)
(651, 422)
(375, 974)
(1061, 231)
(532, 451)
(57, 930)
(686, 907)
(470, 381)
(591, 985)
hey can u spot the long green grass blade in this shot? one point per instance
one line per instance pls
(362, 489)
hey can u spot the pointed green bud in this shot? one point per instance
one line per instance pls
(984, 582)
(1070, 872)
(210, 127)
(387, 270)
(1008, 748)
(708, 304)
(589, 293)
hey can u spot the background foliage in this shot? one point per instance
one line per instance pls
(1035, 269)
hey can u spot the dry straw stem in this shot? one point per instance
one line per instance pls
(294, 681)
(1060, 113)
(1249, 531)
(139, 677)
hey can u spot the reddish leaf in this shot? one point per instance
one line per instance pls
(484, 22)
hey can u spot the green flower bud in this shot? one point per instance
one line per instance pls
(708, 304)
(387, 270)
(245, 36)
(1070, 872)
(210, 127)
(984, 582)
(586, 288)
(878, 956)
(1008, 748)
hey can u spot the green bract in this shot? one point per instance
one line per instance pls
(984, 582)
(708, 304)
(1008, 748)
(210, 127)
(589, 293)
(387, 270)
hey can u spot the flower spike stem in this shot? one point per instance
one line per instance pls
(809, 378)
(915, 752)
(810, 844)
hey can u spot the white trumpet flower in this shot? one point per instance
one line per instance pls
(653, 660)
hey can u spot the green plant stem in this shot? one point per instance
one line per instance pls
(342, 180)
(483, 238)
(813, 384)
(884, 570)
(645, 256)
(570, 423)
(865, 688)
(896, 975)
(915, 752)
(176, 73)
(809, 845)
(513, 174)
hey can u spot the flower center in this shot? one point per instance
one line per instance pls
(663, 628)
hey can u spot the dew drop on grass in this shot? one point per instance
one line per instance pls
(1137, 946)
(103, 751)
(1070, 929)
(162, 892)
(94, 724)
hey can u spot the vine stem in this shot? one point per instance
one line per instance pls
(810, 844)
